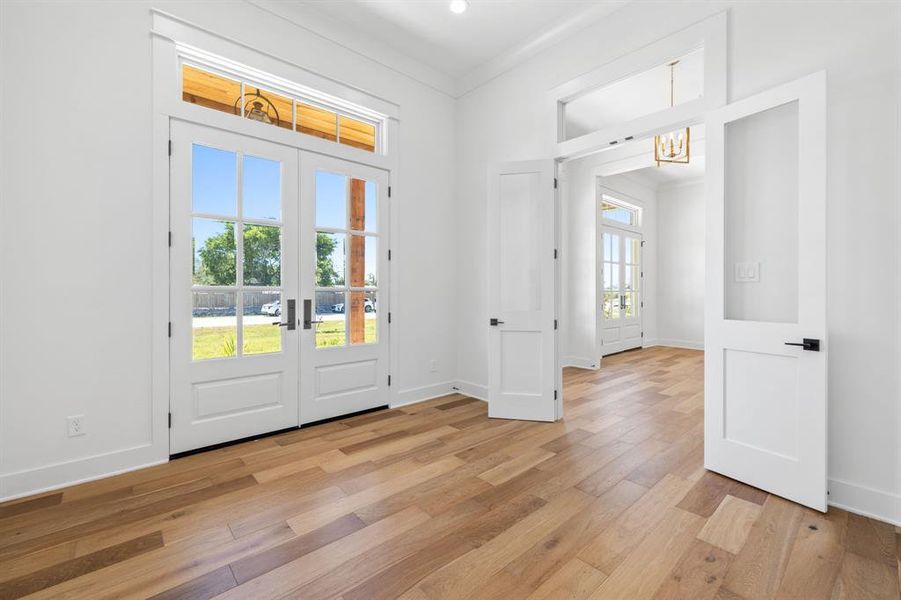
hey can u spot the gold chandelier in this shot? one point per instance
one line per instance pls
(675, 146)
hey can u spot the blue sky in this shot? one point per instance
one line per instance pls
(214, 191)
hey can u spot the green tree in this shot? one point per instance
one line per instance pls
(262, 255)
(217, 259)
(326, 274)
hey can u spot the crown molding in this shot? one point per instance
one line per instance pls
(360, 43)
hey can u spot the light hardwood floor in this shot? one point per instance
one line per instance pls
(435, 500)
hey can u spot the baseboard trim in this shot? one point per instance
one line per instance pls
(686, 344)
(865, 501)
(423, 393)
(580, 362)
(474, 390)
(61, 475)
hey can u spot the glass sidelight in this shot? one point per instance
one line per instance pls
(347, 247)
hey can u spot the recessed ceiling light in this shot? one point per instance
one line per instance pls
(459, 6)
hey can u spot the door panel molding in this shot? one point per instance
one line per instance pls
(765, 401)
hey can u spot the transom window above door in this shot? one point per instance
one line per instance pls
(617, 211)
(255, 100)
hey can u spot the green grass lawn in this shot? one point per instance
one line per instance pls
(219, 342)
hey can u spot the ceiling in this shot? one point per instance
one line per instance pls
(457, 44)
(667, 174)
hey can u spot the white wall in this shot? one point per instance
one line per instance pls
(581, 306)
(75, 225)
(680, 260)
(769, 43)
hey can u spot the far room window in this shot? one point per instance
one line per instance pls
(254, 100)
(618, 211)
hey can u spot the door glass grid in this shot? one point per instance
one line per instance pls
(612, 286)
(632, 276)
(622, 276)
(346, 260)
(236, 253)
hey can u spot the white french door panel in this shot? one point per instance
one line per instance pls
(620, 290)
(233, 268)
(344, 282)
(765, 359)
(523, 373)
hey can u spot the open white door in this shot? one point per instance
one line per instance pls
(765, 360)
(523, 374)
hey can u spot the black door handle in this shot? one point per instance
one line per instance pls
(811, 344)
(307, 316)
(291, 322)
(494, 322)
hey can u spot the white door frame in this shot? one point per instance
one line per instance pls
(167, 104)
(622, 230)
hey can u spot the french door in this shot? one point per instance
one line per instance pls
(233, 289)
(524, 380)
(344, 277)
(621, 293)
(765, 317)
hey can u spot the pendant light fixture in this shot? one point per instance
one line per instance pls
(675, 146)
(255, 109)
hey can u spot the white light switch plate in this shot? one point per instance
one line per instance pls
(747, 272)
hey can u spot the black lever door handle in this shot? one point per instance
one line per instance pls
(494, 322)
(307, 314)
(291, 323)
(811, 344)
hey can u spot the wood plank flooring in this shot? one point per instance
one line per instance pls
(436, 500)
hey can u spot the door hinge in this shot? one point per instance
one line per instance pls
(555, 254)
(389, 380)
(642, 334)
(555, 323)
(555, 394)
(555, 183)
(170, 420)
(170, 239)
(389, 254)
(389, 317)
(170, 328)
(641, 304)
(642, 273)
(389, 191)
(642, 243)
(170, 147)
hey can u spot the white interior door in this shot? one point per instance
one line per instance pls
(765, 360)
(344, 280)
(621, 293)
(523, 373)
(233, 265)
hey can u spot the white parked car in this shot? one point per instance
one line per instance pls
(368, 306)
(273, 309)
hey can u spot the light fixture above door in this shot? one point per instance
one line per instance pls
(675, 146)
(459, 6)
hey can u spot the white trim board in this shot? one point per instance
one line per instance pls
(422, 393)
(580, 362)
(865, 501)
(69, 473)
(474, 390)
(686, 344)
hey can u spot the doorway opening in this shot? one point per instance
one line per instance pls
(633, 237)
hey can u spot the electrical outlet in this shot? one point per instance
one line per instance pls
(433, 365)
(76, 425)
